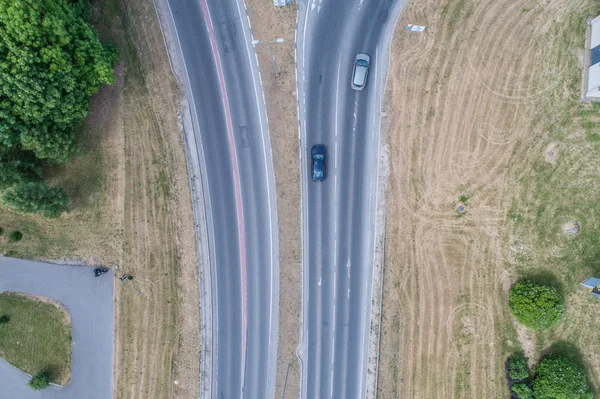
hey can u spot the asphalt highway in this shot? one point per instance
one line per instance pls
(338, 213)
(224, 92)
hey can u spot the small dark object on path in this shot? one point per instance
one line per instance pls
(126, 277)
(100, 271)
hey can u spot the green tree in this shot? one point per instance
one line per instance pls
(37, 198)
(51, 62)
(18, 167)
(560, 378)
(39, 381)
(535, 305)
(517, 367)
(522, 391)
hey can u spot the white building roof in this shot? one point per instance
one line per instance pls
(593, 79)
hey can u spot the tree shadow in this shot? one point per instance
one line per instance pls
(542, 276)
(565, 349)
(52, 371)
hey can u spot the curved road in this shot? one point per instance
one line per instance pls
(338, 213)
(228, 113)
(90, 303)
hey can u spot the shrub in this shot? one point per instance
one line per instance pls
(560, 378)
(4, 319)
(16, 236)
(517, 367)
(39, 381)
(1, 231)
(522, 391)
(535, 305)
(36, 198)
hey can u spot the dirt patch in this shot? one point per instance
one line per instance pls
(132, 208)
(269, 22)
(527, 341)
(466, 99)
(551, 153)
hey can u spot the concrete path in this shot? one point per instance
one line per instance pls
(90, 302)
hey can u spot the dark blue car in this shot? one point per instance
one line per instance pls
(318, 162)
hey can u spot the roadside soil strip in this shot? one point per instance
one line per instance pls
(194, 158)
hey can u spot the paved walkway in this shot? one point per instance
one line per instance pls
(90, 302)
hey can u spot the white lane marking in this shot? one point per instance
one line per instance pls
(331, 391)
(334, 285)
(336, 156)
(304, 44)
(266, 142)
(320, 280)
(337, 96)
(334, 256)
(333, 323)
(348, 267)
(355, 121)
(348, 292)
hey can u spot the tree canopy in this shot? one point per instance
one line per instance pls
(51, 62)
(36, 198)
(535, 305)
(522, 391)
(517, 367)
(560, 378)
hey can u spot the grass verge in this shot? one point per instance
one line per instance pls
(131, 207)
(36, 337)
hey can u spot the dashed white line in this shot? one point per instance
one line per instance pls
(334, 284)
(337, 96)
(331, 391)
(334, 256)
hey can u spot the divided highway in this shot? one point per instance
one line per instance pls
(227, 105)
(339, 212)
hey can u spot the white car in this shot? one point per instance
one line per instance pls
(360, 71)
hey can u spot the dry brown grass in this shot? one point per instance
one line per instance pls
(132, 207)
(472, 102)
(268, 23)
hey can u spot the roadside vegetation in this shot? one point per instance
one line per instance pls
(51, 62)
(487, 101)
(130, 206)
(35, 336)
(536, 306)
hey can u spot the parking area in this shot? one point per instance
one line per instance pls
(90, 302)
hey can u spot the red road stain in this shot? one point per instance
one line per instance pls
(236, 178)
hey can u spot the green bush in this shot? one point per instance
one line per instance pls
(39, 381)
(535, 305)
(522, 391)
(517, 367)
(4, 319)
(37, 198)
(560, 378)
(16, 236)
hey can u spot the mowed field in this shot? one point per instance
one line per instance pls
(132, 208)
(483, 108)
